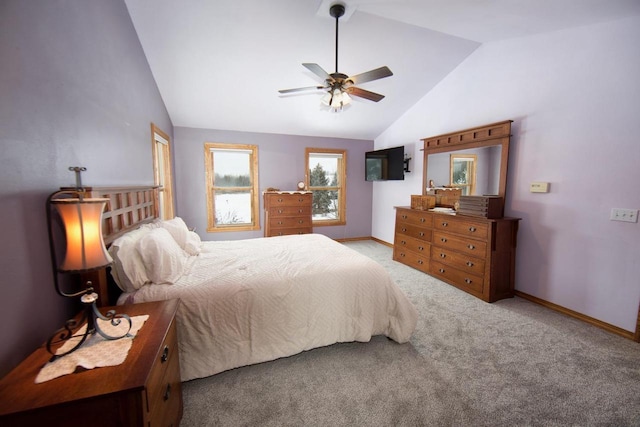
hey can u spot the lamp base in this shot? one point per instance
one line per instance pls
(90, 314)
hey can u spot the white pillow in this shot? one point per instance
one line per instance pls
(187, 240)
(128, 269)
(163, 259)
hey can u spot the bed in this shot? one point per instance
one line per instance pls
(250, 301)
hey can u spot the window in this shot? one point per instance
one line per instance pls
(232, 187)
(463, 172)
(162, 176)
(327, 178)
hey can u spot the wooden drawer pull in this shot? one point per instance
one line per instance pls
(280, 200)
(470, 264)
(468, 281)
(422, 220)
(300, 210)
(280, 211)
(301, 200)
(404, 217)
(443, 240)
(444, 224)
(301, 221)
(167, 392)
(165, 354)
(471, 246)
(472, 229)
(404, 230)
(420, 262)
(420, 248)
(443, 255)
(279, 222)
(441, 270)
(421, 234)
(402, 255)
(404, 242)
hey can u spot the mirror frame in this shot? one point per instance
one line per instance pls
(495, 134)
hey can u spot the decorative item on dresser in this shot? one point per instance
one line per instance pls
(464, 239)
(145, 390)
(287, 212)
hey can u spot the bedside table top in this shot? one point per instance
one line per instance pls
(19, 392)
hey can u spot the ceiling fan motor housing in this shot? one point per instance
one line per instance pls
(337, 10)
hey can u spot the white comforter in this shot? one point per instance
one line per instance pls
(251, 301)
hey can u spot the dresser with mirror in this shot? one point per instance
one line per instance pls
(468, 244)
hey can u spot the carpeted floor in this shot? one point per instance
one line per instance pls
(469, 363)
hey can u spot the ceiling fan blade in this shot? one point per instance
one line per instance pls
(301, 89)
(372, 96)
(368, 76)
(318, 71)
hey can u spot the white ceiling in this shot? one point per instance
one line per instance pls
(219, 63)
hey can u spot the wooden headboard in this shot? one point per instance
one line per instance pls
(127, 209)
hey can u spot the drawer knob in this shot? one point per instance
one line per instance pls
(471, 246)
(300, 221)
(420, 262)
(300, 210)
(444, 224)
(441, 270)
(280, 211)
(443, 255)
(403, 242)
(472, 229)
(422, 220)
(301, 200)
(167, 392)
(279, 222)
(443, 240)
(280, 200)
(420, 248)
(469, 264)
(468, 281)
(404, 230)
(421, 234)
(404, 217)
(165, 354)
(402, 255)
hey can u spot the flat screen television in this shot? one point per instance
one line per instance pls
(385, 165)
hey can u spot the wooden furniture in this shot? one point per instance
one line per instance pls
(490, 143)
(287, 212)
(476, 255)
(145, 390)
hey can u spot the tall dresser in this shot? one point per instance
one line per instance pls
(474, 254)
(287, 212)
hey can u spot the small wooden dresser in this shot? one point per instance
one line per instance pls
(287, 212)
(145, 390)
(474, 254)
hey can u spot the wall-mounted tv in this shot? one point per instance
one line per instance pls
(385, 165)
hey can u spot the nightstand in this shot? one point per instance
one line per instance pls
(143, 391)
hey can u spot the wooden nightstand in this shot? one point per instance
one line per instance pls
(143, 391)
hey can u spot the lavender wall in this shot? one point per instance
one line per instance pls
(574, 98)
(76, 90)
(281, 165)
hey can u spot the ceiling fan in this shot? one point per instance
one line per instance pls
(341, 87)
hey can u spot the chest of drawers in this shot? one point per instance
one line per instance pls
(476, 255)
(287, 212)
(145, 390)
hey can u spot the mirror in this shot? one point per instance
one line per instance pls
(474, 160)
(475, 170)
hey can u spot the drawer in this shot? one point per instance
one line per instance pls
(461, 279)
(276, 200)
(289, 222)
(168, 410)
(414, 217)
(414, 231)
(289, 231)
(166, 362)
(412, 259)
(459, 260)
(289, 211)
(477, 230)
(411, 244)
(475, 248)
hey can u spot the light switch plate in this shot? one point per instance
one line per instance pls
(539, 187)
(625, 215)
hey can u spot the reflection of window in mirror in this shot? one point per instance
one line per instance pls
(463, 172)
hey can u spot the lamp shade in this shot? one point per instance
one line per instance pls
(82, 220)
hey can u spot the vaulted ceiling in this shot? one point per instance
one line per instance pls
(220, 63)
